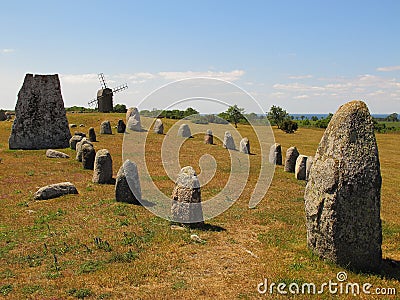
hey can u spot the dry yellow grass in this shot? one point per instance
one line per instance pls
(47, 248)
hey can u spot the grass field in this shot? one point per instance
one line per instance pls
(48, 248)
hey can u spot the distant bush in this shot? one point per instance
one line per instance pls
(289, 126)
(323, 123)
(120, 108)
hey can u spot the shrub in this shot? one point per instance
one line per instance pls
(289, 126)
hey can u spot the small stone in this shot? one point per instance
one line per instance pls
(244, 146)
(186, 207)
(80, 133)
(290, 162)
(158, 127)
(127, 186)
(121, 126)
(55, 190)
(74, 140)
(196, 238)
(88, 156)
(208, 137)
(309, 163)
(56, 154)
(176, 227)
(301, 167)
(184, 131)
(275, 154)
(78, 149)
(228, 142)
(102, 167)
(105, 127)
(92, 135)
(81, 125)
(133, 119)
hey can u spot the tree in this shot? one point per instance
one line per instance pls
(234, 114)
(277, 115)
(120, 108)
(392, 117)
(302, 117)
(314, 118)
(289, 126)
(323, 122)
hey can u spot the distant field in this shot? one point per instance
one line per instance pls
(47, 248)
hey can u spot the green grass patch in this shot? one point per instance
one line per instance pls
(90, 267)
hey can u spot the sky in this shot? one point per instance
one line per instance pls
(305, 56)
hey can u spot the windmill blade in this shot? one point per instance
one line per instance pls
(120, 88)
(93, 103)
(102, 80)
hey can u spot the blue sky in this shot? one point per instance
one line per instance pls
(306, 56)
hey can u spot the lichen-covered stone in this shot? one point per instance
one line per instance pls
(290, 160)
(228, 141)
(184, 131)
(309, 163)
(50, 153)
(102, 172)
(55, 190)
(88, 156)
(208, 137)
(133, 119)
(301, 167)
(105, 127)
(127, 185)
(342, 196)
(79, 146)
(275, 154)
(121, 126)
(74, 140)
(158, 126)
(244, 146)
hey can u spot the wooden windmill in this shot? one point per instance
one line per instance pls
(104, 99)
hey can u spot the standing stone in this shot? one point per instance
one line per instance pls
(3, 115)
(88, 156)
(105, 128)
(228, 142)
(133, 119)
(50, 153)
(342, 196)
(186, 207)
(127, 185)
(121, 126)
(290, 161)
(184, 131)
(301, 167)
(92, 135)
(158, 126)
(80, 133)
(74, 140)
(102, 167)
(208, 137)
(309, 163)
(129, 113)
(79, 146)
(40, 119)
(244, 146)
(275, 154)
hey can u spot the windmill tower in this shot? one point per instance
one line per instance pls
(104, 99)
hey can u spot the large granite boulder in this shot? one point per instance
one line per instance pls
(184, 131)
(301, 167)
(88, 156)
(186, 207)
(50, 153)
(275, 154)
(40, 119)
(79, 146)
(158, 126)
(309, 163)
(290, 160)
(228, 141)
(244, 146)
(74, 140)
(55, 190)
(121, 126)
(102, 167)
(127, 185)
(133, 119)
(342, 196)
(105, 127)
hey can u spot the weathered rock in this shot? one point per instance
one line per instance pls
(73, 125)
(127, 186)
(186, 207)
(133, 119)
(102, 167)
(121, 126)
(81, 125)
(275, 154)
(158, 126)
(129, 113)
(55, 190)
(301, 167)
(342, 196)
(92, 135)
(88, 156)
(3, 115)
(309, 163)
(79, 146)
(56, 154)
(244, 146)
(228, 142)
(40, 119)
(290, 161)
(208, 137)
(105, 127)
(184, 131)
(74, 140)
(80, 133)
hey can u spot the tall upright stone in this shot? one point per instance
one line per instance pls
(133, 119)
(342, 196)
(290, 160)
(309, 163)
(208, 137)
(88, 156)
(158, 127)
(186, 207)
(79, 146)
(105, 127)
(102, 167)
(275, 154)
(244, 146)
(121, 126)
(228, 141)
(301, 167)
(40, 119)
(92, 135)
(184, 131)
(127, 185)
(3, 115)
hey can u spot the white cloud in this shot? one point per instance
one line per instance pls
(79, 78)
(301, 97)
(228, 76)
(7, 50)
(298, 77)
(388, 69)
